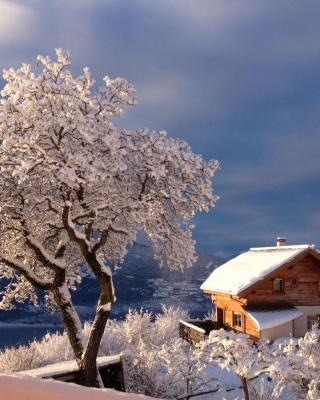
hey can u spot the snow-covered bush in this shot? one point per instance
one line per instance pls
(51, 349)
(296, 366)
(159, 364)
(156, 361)
(166, 324)
(236, 353)
(268, 371)
(141, 327)
(169, 371)
(20, 359)
(150, 346)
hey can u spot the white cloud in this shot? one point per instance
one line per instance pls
(16, 23)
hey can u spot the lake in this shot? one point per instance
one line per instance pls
(19, 334)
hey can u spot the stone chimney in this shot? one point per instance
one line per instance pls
(281, 241)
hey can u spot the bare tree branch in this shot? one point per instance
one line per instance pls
(27, 273)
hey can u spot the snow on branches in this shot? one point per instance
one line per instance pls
(290, 369)
(297, 365)
(238, 354)
(158, 363)
(75, 189)
(60, 150)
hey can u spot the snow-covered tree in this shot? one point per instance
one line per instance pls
(172, 371)
(296, 366)
(75, 190)
(238, 354)
(156, 361)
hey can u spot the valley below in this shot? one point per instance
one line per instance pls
(139, 283)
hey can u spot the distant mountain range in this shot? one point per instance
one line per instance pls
(139, 283)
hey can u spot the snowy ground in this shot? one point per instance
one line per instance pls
(159, 364)
(29, 388)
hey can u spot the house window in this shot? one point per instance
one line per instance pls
(278, 285)
(237, 320)
(294, 282)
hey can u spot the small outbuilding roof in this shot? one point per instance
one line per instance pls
(65, 367)
(250, 267)
(265, 319)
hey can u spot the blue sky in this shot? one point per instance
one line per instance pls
(238, 79)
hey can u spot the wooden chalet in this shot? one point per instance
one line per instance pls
(268, 291)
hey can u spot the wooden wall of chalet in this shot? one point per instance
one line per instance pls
(301, 285)
(229, 306)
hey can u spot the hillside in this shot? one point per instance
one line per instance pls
(139, 283)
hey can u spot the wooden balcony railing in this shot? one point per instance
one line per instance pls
(195, 331)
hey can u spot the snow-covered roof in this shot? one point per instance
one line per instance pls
(265, 319)
(250, 267)
(66, 367)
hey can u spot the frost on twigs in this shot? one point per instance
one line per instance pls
(156, 362)
(75, 190)
(297, 365)
(60, 149)
(238, 354)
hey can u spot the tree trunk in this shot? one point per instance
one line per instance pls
(70, 319)
(91, 376)
(86, 359)
(245, 387)
(91, 373)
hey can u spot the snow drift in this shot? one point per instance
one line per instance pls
(29, 388)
